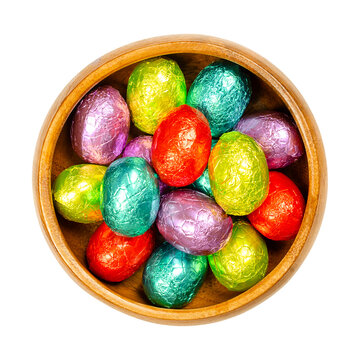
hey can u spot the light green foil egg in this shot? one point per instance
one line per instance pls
(238, 172)
(76, 193)
(155, 87)
(243, 261)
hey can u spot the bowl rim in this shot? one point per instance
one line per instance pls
(167, 45)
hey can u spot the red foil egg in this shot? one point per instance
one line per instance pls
(114, 257)
(181, 146)
(280, 215)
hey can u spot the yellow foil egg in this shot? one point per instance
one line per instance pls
(76, 193)
(155, 87)
(238, 172)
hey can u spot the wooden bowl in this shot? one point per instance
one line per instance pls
(271, 90)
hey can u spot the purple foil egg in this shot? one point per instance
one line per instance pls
(193, 222)
(141, 147)
(277, 136)
(100, 127)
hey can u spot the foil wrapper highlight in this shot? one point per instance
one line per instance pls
(76, 193)
(221, 91)
(193, 222)
(130, 196)
(113, 257)
(279, 217)
(172, 278)
(100, 126)
(155, 87)
(181, 146)
(277, 136)
(238, 172)
(243, 261)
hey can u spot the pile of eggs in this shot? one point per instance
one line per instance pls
(197, 178)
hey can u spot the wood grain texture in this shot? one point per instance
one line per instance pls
(271, 90)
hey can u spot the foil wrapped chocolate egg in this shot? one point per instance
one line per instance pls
(130, 196)
(243, 261)
(113, 257)
(221, 91)
(141, 147)
(76, 193)
(100, 127)
(193, 222)
(239, 176)
(279, 217)
(202, 184)
(172, 278)
(276, 135)
(181, 146)
(155, 87)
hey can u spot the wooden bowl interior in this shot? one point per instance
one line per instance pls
(77, 235)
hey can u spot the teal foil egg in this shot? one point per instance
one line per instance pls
(130, 196)
(172, 278)
(221, 91)
(202, 184)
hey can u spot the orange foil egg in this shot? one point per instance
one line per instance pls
(280, 215)
(114, 257)
(181, 146)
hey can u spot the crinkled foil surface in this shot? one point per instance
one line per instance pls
(193, 222)
(130, 196)
(277, 136)
(221, 92)
(76, 193)
(243, 261)
(155, 87)
(238, 172)
(203, 182)
(114, 257)
(181, 146)
(172, 278)
(100, 127)
(141, 147)
(279, 217)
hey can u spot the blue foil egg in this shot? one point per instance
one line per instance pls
(221, 91)
(130, 197)
(172, 278)
(202, 184)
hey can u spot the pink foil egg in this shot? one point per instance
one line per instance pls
(141, 147)
(277, 136)
(100, 127)
(193, 222)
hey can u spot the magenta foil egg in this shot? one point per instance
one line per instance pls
(276, 134)
(100, 126)
(141, 147)
(193, 222)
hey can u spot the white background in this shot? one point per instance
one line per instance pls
(44, 314)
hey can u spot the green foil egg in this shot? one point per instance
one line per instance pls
(243, 261)
(76, 193)
(155, 87)
(202, 184)
(221, 91)
(130, 196)
(172, 278)
(238, 172)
